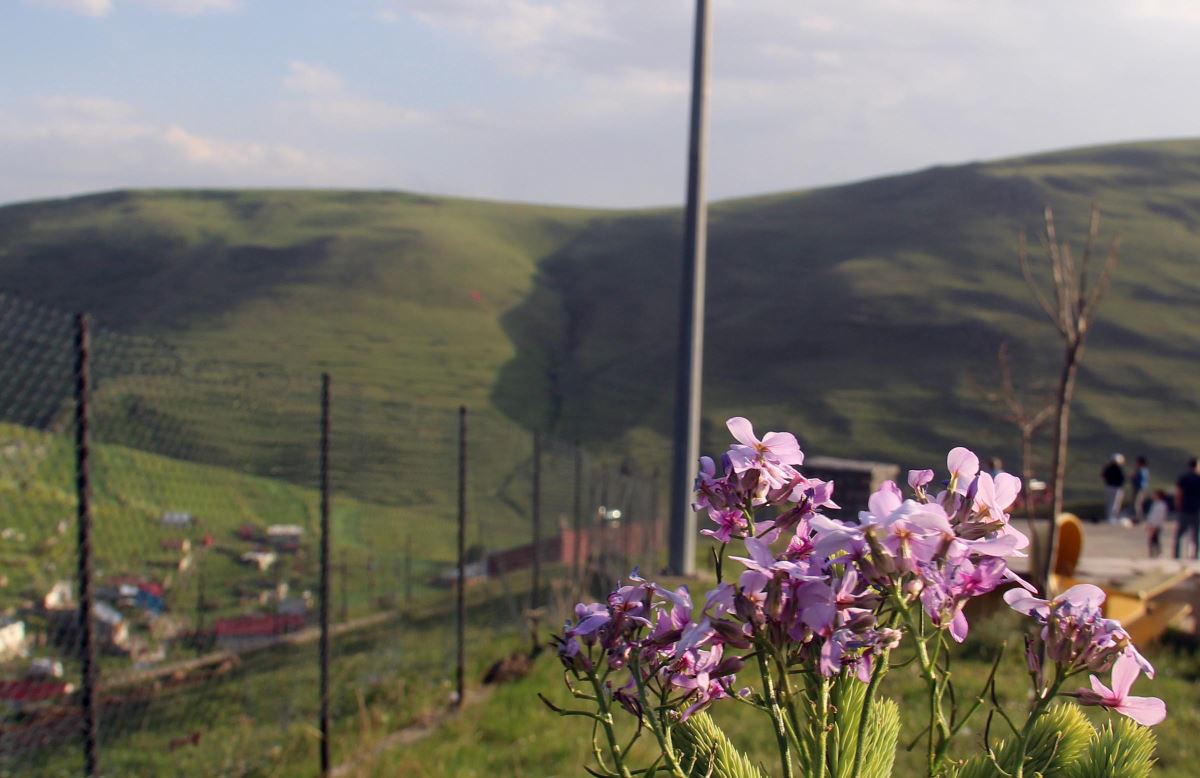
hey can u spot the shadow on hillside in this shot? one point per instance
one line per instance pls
(819, 307)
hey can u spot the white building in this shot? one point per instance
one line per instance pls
(12, 641)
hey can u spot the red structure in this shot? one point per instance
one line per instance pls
(627, 540)
(258, 625)
(25, 692)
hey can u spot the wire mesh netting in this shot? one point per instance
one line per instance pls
(206, 565)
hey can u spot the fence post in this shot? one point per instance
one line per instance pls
(325, 574)
(83, 496)
(408, 569)
(461, 605)
(370, 583)
(578, 498)
(345, 576)
(536, 508)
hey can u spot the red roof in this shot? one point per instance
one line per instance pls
(259, 625)
(32, 691)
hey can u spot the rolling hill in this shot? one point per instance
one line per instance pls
(864, 317)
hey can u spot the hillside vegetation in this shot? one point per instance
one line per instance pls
(865, 317)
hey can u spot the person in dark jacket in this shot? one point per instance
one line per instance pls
(1187, 504)
(1113, 476)
(1139, 484)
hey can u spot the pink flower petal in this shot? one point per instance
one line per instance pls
(742, 431)
(1125, 671)
(1146, 711)
(963, 463)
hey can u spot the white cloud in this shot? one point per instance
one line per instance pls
(311, 79)
(98, 8)
(322, 95)
(70, 143)
(190, 7)
(85, 7)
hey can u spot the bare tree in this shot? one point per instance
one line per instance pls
(1071, 313)
(1027, 425)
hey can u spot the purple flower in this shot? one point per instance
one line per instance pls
(947, 590)
(731, 523)
(762, 560)
(1075, 631)
(769, 459)
(1146, 711)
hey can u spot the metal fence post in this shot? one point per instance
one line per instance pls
(408, 569)
(461, 605)
(578, 499)
(345, 576)
(325, 574)
(536, 510)
(83, 495)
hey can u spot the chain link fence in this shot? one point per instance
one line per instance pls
(197, 538)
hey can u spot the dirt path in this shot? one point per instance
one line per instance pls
(407, 736)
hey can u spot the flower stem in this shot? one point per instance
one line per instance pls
(606, 720)
(781, 736)
(881, 668)
(661, 734)
(1039, 708)
(823, 731)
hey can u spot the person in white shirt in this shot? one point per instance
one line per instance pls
(1156, 517)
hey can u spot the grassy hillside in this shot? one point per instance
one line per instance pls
(865, 317)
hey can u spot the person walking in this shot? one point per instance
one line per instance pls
(1113, 476)
(1139, 484)
(1187, 504)
(1156, 517)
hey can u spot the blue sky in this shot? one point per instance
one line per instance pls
(568, 101)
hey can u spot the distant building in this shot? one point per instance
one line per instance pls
(854, 481)
(60, 597)
(182, 545)
(260, 559)
(111, 629)
(12, 641)
(285, 537)
(176, 519)
(24, 694)
(246, 633)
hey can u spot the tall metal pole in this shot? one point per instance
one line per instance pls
(689, 367)
(578, 508)
(326, 563)
(83, 519)
(461, 604)
(536, 510)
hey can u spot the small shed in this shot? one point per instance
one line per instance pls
(854, 481)
(176, 519)
(12, 641)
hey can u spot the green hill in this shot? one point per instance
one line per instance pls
(865, 317)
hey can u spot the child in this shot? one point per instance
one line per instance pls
(1155, 518)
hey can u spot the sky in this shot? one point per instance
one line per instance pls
(580, 102)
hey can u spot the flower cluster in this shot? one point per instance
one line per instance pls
(819, 599)
(1077, 637)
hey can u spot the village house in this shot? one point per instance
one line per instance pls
(285, 537)
(260, 559)
(246, 633)
(21, 695)
(12, 640)
(180, 545)
(176, 519)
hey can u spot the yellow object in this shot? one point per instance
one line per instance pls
(1132, 602)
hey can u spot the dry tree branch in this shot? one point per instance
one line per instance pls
(1031, 282)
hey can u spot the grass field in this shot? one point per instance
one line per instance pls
(513, 734)
(865, 317)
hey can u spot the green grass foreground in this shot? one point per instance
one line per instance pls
(513, 734)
